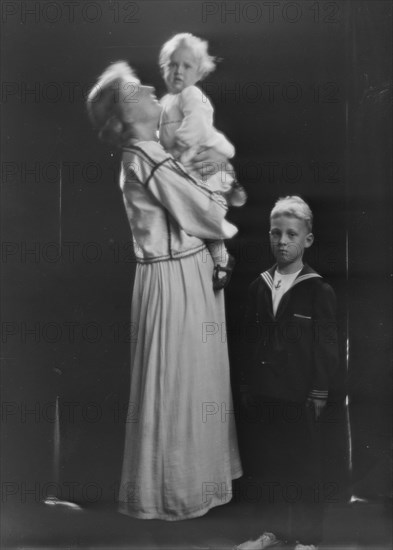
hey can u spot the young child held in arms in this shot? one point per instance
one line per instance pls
(187, 123)
(293, 354)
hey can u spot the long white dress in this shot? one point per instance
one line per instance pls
(181, 450)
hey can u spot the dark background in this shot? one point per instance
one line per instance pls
(304, 93)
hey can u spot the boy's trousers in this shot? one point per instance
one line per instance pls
(291, 450)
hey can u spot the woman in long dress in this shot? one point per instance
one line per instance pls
(181, 449)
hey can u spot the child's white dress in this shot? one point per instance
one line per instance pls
(186, 124)
(188, 117)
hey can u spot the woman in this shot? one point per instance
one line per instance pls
(180, 450)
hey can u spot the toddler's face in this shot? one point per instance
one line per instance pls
(181, 71)
(289, 237)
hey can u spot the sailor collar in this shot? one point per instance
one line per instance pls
(305, 274)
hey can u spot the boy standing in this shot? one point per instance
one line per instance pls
(291, 327)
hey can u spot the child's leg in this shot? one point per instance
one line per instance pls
(309, 509)
(218, 252)
(307, 517)
(223, 264)
(225, 183)
(271, 434)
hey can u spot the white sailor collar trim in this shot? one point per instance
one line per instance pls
(305, 274)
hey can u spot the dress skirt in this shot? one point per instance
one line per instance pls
(181, 450)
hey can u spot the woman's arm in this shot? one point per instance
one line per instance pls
(208, 161)
(198, 210)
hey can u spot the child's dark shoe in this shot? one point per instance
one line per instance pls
(222, 273)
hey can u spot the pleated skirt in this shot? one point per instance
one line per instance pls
(181, 451)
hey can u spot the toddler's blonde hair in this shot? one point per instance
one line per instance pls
(199, 47)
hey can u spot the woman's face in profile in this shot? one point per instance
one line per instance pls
(139, 103)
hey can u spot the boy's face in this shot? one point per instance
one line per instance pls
(289, 237)
(139, 103)
(181, 71)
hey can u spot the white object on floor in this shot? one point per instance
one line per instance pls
(54, 501)
(267, 540)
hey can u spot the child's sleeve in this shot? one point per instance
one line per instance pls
(197, 121)
(197, 126)
(325, 341)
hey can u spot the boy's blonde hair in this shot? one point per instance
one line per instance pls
(206, 62)
(293, 206)
(104, 102)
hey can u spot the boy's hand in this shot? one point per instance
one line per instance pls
(317, 404)
(208, 162)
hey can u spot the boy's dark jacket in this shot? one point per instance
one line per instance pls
(293, 355)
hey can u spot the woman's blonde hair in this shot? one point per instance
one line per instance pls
(293, 206)
(199, 47)
(104, 102)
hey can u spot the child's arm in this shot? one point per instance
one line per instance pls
(325, 344)
(197, 126)
(220, 143)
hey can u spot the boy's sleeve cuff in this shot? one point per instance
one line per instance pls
(318, 394)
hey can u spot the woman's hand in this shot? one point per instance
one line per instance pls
(208, 162)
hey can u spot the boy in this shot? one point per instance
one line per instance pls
(293, 353)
